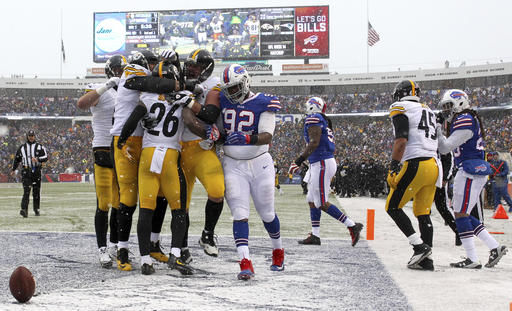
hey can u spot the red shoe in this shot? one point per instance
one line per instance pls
(277, 259)
(247, 270)
(355, 231)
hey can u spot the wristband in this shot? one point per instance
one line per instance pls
(102, 90)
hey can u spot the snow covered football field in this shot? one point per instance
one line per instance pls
(59, 248)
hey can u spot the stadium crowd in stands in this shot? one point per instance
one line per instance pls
(64, 104)
(358, 140)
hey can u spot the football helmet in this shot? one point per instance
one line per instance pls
(115, 66)
(144, 58)
(199, 65)
(452, 102)
(407, 89)
(234, 83)
(315, 105)
(166, 70)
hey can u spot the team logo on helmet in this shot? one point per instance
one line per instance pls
(457, 95)
(316, 103)
(239, 69)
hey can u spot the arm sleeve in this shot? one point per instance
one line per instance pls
(17, 159)
(209, 113)
(44, 157)
(131, 124)
(456, 139)
(401, 126)
(151, 84)
(267, 123)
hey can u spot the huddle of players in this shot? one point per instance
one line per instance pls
(158, 164)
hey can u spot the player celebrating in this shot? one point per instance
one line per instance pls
(198, 159)
(320, 154)
(416, 146)
(466, 139)
(100, 99)
(249, 122)
(158, 170)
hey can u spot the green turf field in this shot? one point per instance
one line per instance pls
(70, 207)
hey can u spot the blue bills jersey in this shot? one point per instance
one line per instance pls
(325, 149)
(474, 147)
(245, 117)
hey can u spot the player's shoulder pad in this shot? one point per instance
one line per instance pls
(133, 70)
(463, 121)
(397, 108)
(150, 97)
(314, 119)
(272, 102)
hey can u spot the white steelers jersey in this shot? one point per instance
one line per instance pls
(207, 85)
(422, 141)
(127, 99)
(102, 115)
(170, 125)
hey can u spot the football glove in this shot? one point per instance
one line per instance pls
(148, 122)
(238, 138)
(193, 85)
(394, 169)
(212, 132)
(169, 55)
(114, 81)
(293, 168)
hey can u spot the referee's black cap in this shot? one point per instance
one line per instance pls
(31, 133)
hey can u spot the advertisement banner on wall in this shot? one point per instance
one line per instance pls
(312, 31)
(109, 35)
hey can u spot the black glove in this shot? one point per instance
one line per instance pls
(148, 122)
(394, 166)
(193, 86)
(299, 160)
(440, 118)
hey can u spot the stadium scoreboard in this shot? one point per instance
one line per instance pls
(229, 34)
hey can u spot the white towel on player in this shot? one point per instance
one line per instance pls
(158, 160)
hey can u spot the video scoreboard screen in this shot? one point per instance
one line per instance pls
(229, 34)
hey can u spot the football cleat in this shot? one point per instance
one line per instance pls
(310, 240)
(495, 256)
(36, 212)
(277, 260)
(185, 256)
(112, 251)
(420, 251)
(123, 262)
(426, 264)
(147, 269)
(207, 242)
(466, 264)
(156, 251)
(355, 232)
(176, 263)
(247, 271)
(105, 260)
(23, 212)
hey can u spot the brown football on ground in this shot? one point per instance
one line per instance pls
(22, 284)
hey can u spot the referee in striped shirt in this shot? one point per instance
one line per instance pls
(30, 155)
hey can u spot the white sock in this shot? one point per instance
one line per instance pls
(349, 223)
(469, 246)
(145, 259)
(485, 237)
(315, 231)
(415, 239)
(122, 244)
(176, 251)
(110, 244)
(277, 243)
(243, 252)
(155, 237)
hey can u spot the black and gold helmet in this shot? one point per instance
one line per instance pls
(166, 70)
(143, 58)
(204, 60)
(406, 88)
(115, 66)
